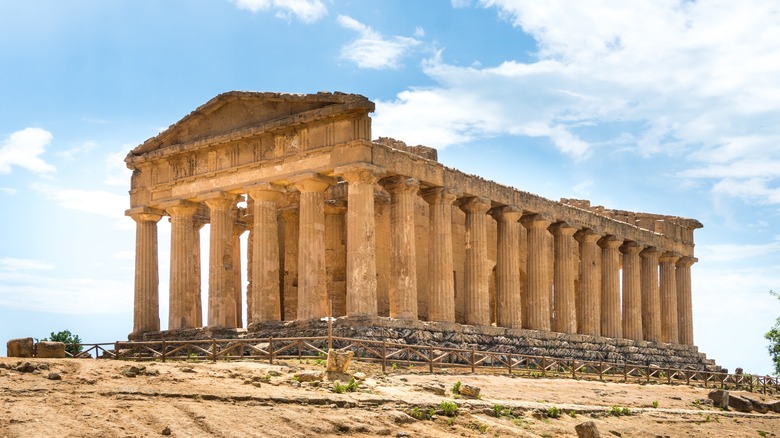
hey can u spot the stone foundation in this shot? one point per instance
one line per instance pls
(452, 335)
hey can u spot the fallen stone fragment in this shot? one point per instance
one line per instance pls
(758, 405)
(740, 404)
(51, 350)
(719, 397)
(470, 391)
(54, 376)
(308, 376)
(775, 406)
(587, 430)
(399, 417)
(20, 347)
(166, 431)
(338, 361)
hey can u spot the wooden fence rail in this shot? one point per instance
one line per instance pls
(418, 358)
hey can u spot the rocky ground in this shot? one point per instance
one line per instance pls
(76, 398)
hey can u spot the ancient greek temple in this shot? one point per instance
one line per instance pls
(337, 222)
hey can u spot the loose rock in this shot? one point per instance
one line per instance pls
(54, 376)
(470, 391)
(20, 347)
(719, 397)
(54, 350)
(308, 376)
(587, 430)
(740, 404)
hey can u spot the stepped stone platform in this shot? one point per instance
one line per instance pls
(485, 338)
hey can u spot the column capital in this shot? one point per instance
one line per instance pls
(650, 252)
(265, 191)
(445, 195)
(400, 184)
(686, 261)
(586, 235)
(475, 204)
(630, 247)
(145, 214)
(312, 182)
(360, 172)
(562, 229)
(180, 207)
(218, 200)
(536, 220)
(507, 213)
(669, 257)
(610, 242)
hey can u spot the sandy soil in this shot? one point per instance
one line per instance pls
(240, 399)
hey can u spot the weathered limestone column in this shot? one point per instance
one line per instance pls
(564, 277)
(249, 219)
(312, 280)
(477, 298)
(651, 306)
(197, 311)
(610, 287)
(291, 255)
(336, 255)
(538, 292)
(589, 297)
(668, 292)
(684, 305)
(222, 303)
(632, 291)
(182, 299)
(146, 308)
(441, 288)
(509, 305)
(361, 238)
(403, 260)
(239, 314)
(266, 301)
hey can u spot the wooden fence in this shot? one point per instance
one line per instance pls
(422, 358)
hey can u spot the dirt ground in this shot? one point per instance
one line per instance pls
(242, 399)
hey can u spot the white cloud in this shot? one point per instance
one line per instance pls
(372, 50)
(695, 80)
(307, 11)
(23, 148)
(14, 264)
(583, 189)
(729, 252)
(9, 190)
(98, 202)
(118, 173)
(70, 154)
(124, 255)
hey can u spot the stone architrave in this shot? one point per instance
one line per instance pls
(146, 314)
(182, 300)
(564, 277)
(538, 291)
(441, 289)
(361, 238)
(668, 293)
(266, 301)
(312, 279)
(684, 305)
(589, 296)
(632, 291)
(477, 298)
(509, 305)
(222, 300)
(403, 262)
(610, 287)
(651, 306)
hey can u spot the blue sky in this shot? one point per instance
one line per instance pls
(669, 107)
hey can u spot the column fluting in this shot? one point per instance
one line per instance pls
(684, 304)
(441, 287)
(564, 278)
(146, 307)
(668, 293)
(266, 301)
(651, 306)
(632, 291)
(509, 305)
(182, 305)
(403, 260)
(538, 290)
(589, 294)
(477, 298)
(610, 287)
(222, 303)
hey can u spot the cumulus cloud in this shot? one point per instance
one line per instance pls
(98, 202)
(699, 81)
(8, 190)
(70, 154)
(372, 50)
(118, 173)
(307, 11)
(23, 149)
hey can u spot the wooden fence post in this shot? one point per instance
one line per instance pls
(163, 350)
(271, 350)
(213, 349)
(430, 359)
(473, 359)
(384, 356)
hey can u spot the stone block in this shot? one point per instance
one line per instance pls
(51, 350)
(20, 347)
(719, 397)
(587, 430)
(759, 406)
(740, 404)
(338, 361)
(469, 391)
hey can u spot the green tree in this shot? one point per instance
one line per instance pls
(773, 336)
(69, 339)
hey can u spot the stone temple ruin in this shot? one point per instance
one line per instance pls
(400, 245)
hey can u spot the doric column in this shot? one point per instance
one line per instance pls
(222, 302)
(312, 281)
(291, 255)
(336, 255)
(651, 306)
(477, 298)
(361, 238)
(146, 307)
(668, 292)
(564, 278)
(632, 291)
(182, 304)
(684, 305)
(239, 314)
(249, 219)
(589, 297)
(198, 222)
(610, 287)
(266, 302)
(509, 305)
(538, 290)
(441, 288)
(403, 260)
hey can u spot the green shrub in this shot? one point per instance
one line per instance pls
(449, 408)
(338, 388)
(456, 387)
(553, 412)
(70, 340)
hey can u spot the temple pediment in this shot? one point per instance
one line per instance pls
(234, 111)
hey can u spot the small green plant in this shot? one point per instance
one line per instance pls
(448, 408)
(451, 421)
(416, 413)
(192, 357)
(339, 388)
(352, 386)
(617, 411)
(655, 403)
(480, 427)
(319, 362)
(763, 433)
(296, 378)
(394, 366)
(456, 387)
(573, 414)
(553, 412)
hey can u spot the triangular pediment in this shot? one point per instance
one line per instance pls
(236, 110)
